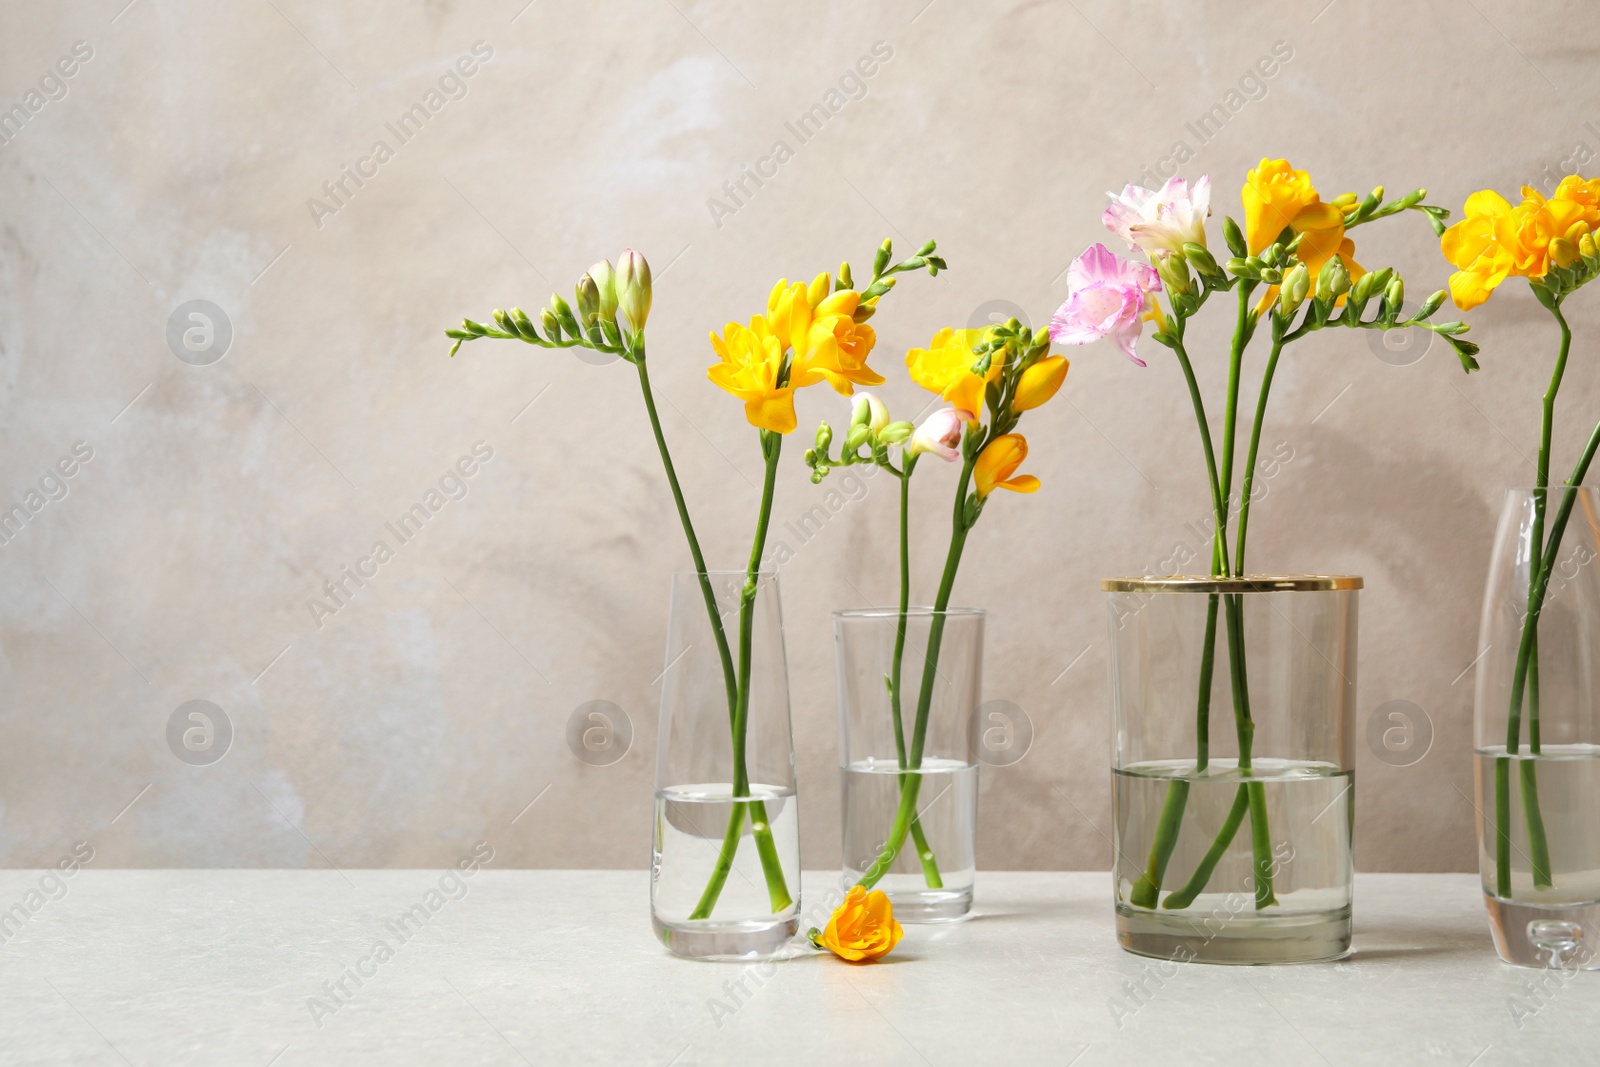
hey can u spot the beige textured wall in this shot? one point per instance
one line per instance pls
(430, 711)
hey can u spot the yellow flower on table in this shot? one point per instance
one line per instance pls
(862, 928)
(945, 367)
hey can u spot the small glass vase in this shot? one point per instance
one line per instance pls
(1538, 730)
(1233, 766)
(910, 796)
(725, 877)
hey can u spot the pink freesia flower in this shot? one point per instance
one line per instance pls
(940, 433)
(1107, 296)
(1159, 221)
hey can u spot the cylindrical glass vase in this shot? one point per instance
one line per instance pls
(909, 690)
(725, 879)
(1538, 730)
(1233, 766)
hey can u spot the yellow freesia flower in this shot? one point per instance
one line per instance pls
(862, 928)
(807, 336)
(1039, 383)
(1276, 196)
(997, 463)
(1495, 240)
(751, 369)
(945, 367)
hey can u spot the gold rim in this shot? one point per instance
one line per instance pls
(1251, 583)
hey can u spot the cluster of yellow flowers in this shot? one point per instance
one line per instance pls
(810, 334)
(1278, 197)
(1495, 240)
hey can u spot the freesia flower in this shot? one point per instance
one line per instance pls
(1039, 383)
(940, 433)
(945, 367)
(752, 364)
(828, 344)
(997, 463)
(806, 329)
(1107, 296)
(1495, 241)
(1276, 196)
(862, 928)
(1160, 221)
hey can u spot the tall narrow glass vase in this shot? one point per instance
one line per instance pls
(1234, 766)
(908, 731)
(725, 880)
(1538, 730)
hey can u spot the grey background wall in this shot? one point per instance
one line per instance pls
(432, 710)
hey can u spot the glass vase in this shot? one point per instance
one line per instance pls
(1537, 730)
(908, 743)
(1233, 766)
(725, 877)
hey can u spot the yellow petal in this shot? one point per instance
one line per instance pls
(1022, 483)
(1039, 383)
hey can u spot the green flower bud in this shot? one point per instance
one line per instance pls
(1295, 286)
(895, 432)
(881, 259)
(633, 288)
(856, 438)
(1341, 278)
(824, 437)
(1201, 259)
(845, 281)
(1394, 296)
(1239, 267)
(605, 280)
(1432, 304)
(588, 299)
(1235, 239)
(552, 327)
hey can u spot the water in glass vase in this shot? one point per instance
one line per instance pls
(691, 824)
(936, 889)
(1215, 919)
(1556, 924)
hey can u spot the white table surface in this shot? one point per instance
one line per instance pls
(556, 967)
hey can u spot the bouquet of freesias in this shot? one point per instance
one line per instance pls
(1291, 272)
(1549, 242)
(987, 379)
(810, 333)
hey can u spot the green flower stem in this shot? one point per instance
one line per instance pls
(913, 783)
(1527, 666)
(1252, 795)
(1147, 890)
(777, 885)
(1519, 678)
(1184, 896)
(919, 840)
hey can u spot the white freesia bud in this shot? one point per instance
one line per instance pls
(633, 288)
(867, 410)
